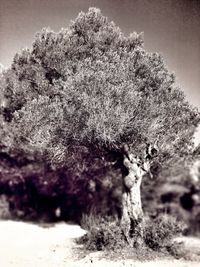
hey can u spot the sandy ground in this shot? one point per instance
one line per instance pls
(29, 245)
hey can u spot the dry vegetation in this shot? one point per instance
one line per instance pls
(153, 238)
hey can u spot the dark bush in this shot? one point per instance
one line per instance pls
(34, 190)
(103, 234)
(159, 233)
(151, 235)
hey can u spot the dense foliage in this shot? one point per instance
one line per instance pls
(76, 96)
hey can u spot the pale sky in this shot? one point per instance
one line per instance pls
(171, 27)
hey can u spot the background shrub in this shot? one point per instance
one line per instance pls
(4, 208)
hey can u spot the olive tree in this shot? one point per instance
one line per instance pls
(90, 98)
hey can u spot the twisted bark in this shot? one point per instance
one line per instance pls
(132, 213)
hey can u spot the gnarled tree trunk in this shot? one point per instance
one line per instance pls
(132, 213)
(131, 199)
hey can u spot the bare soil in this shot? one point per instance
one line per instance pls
(30, 245)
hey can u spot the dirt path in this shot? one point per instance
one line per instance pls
(28, 245)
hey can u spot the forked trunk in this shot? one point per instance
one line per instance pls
(132, 214)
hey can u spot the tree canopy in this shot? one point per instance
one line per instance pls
(88, 88)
